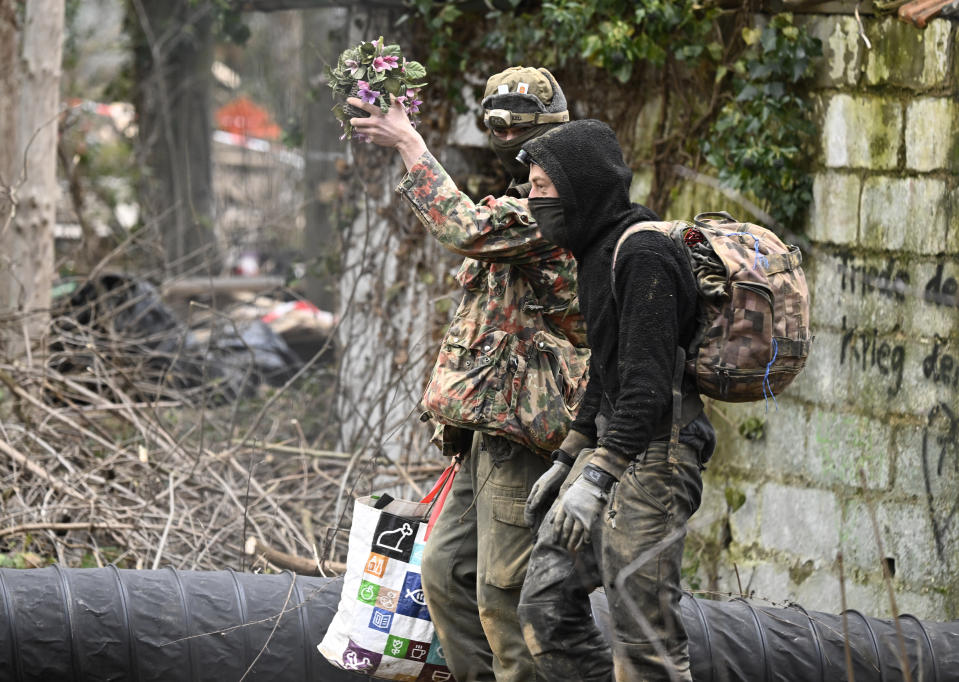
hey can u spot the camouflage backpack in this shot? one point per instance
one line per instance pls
(753, 335)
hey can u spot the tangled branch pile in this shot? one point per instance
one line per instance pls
(115, 450)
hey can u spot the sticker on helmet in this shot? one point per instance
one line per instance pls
(503, 89)
(522, 88)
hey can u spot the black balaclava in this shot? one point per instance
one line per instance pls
(585, 163)
(548, 215)
(506, 150)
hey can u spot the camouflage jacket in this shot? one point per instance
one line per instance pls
(514, 360)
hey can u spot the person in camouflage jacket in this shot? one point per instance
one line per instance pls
(509, 377)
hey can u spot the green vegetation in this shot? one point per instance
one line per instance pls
(753, 428)
(731, 88)
(23, 560)
(758, 139)
(735, 498)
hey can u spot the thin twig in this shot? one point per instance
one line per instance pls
(266, 497)
(900, 638)
(24, 176)
(845, 620)
(862, 30)
(166, 528)
(276, 624)
(22, 460)
(12, 385)
(279, 447)
(32, 527)
(227, 630)
(291, 562)
(246, 506)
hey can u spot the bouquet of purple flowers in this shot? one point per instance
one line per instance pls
(372, 72)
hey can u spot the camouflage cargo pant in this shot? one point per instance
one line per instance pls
(475, 562)
(645, 517)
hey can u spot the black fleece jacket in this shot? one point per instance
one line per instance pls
(634, 334)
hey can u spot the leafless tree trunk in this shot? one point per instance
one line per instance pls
(29, 69)
(325, 36)
(9, 102)
(173, 57)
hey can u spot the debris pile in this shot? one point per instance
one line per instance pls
(136, 439)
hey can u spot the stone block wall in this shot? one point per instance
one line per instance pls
(784, 495)
(867, 439)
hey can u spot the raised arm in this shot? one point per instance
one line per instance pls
(495, 228)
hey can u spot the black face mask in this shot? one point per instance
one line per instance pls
(549, 217)
(506, 151)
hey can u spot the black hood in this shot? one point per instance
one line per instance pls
(585, 163)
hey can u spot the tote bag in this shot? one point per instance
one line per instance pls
(382, 626)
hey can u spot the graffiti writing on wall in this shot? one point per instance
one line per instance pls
(939, 291)
(939, 366)
(940, 466)
(863, 349)
(866, 351)
(863, 279)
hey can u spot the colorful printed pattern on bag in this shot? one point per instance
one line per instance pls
(376, 565)
(435, 673)
(397, 647)
(395, 537)
(381, 620)
(416, 558)
(515, 358)
(387, 599)
(382, 626)
(436, 655)
(368, 592)
(412, 598)
(358, 658)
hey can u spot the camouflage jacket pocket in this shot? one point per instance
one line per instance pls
(567, 364)
(550, 389)
(471, 376)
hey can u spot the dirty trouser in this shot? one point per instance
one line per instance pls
(475, 562)
(646, 516)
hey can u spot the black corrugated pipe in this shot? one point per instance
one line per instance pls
(736, 640)
(72, 625)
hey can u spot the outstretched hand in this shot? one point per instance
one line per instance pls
(392, 129)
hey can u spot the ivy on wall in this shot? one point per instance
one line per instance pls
(757, 142)
(730, 81)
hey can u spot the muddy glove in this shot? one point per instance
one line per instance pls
(580, 507)
(544, 491)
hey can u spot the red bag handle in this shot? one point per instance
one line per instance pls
(439, 492)
(438, 486)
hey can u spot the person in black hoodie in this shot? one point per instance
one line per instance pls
(620, 518)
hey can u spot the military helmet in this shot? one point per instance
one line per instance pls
(523, 95)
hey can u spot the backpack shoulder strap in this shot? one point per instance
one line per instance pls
(685, 408)
(664, 227)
